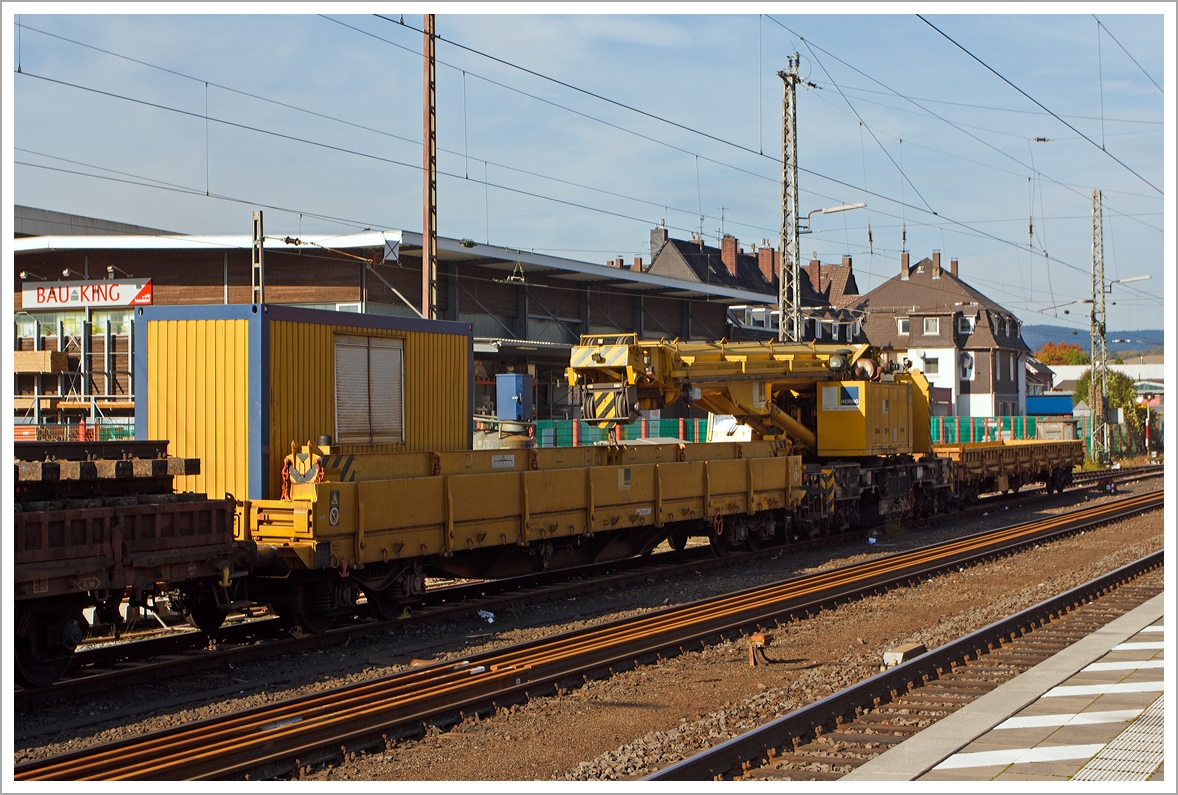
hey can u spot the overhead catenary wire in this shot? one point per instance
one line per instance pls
(1131, 58)
(833, 180)
(860, 118)
(340, 149)
(769, 157)
(937, 116)
(1040, 104)
(385, 133)
(1071, 187)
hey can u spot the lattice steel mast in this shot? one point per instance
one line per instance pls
(789, 282)
(1098, 383)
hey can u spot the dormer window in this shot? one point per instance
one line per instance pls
(964, 325)
(932, 325)
(902, 325)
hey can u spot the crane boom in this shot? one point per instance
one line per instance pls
(778, 389)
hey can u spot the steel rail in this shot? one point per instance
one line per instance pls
(241, 643)
(362, 713)
(809, 721)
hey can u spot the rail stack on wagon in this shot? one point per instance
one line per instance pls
(97, 523)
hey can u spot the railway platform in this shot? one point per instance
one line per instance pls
(1092, 712)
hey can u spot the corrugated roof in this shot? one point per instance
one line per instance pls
(449, 251)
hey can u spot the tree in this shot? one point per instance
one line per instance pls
(1062, 353)
(1122, 394)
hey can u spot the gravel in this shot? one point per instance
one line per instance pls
(641, 719)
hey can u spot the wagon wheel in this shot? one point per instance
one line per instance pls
(312, 617)
(753, 541)
(385, 605)
(204, 615)
(45, 644)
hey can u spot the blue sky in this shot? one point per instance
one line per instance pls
(601, 174)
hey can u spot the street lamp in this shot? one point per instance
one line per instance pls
(110, 272)
(26, 275)
(842, 208)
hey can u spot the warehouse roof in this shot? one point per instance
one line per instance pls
(449, 251)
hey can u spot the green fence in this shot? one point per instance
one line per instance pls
(570, 433)
(944, 430)
(957, 430)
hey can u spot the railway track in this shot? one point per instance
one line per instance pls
(830, 738)
(115, 665)
(284, 738)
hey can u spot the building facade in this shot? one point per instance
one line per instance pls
(526, 310)
(969, 347)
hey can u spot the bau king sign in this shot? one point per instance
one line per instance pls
(80, 295)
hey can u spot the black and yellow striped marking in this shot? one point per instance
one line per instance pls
(603, 405)
(600, 356)
(342, 463)
(827, 482)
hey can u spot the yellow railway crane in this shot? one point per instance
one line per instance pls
(825, 399)
(861, 429)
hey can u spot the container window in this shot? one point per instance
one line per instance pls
(369, 390)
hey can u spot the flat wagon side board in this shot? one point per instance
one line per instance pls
(369, 521)
(72, 551)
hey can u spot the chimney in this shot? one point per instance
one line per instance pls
(620, 262)
(816, 272)
(728, 251)
(953, 267)
(846, 261)
(904, 266)
(767, 262)
(657, 238)
(936, 264)
(637, 264)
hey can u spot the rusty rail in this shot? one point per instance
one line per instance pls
(360, 716)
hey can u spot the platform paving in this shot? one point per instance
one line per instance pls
(1092, 712)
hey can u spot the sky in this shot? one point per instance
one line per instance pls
(575, 134)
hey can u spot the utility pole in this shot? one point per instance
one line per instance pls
(258, 258)
(1098, 383)
(789, 328)
(429, 156)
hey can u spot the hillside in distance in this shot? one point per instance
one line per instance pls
(1143, 339)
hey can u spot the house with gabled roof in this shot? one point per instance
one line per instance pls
(964, 342)
(825, 289)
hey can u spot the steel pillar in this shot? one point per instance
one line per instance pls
(429, 149)
(258, 260)
(789, 282)
(1098, 383)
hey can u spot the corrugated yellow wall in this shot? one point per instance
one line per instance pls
(198, 388)
(302, 390)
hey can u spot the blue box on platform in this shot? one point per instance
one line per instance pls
(513, 397)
